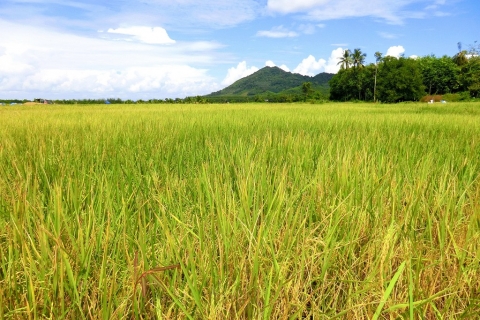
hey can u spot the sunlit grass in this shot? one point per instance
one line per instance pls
(352, 211)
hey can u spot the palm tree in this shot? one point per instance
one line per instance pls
(345, 60)
(461, 57)
(378, 58)
(358, 58)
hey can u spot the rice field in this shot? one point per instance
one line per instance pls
(248, 211)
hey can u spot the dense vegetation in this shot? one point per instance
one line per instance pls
(272, 84)
(238, 212)
(407, 79)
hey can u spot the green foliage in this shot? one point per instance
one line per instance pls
(470, 77)
(403, 79)
(460, 59)
(343, 86)
(440, 75)
(399, 80)
(346, 60)
(307, 90)
(459, 96)
(358, 58)
(269, 79)
(353, 84)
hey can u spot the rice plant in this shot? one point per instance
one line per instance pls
(248, 211)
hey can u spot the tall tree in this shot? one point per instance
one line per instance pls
(358, 58)
(400, 80)
(460, 58)
(440, 74)
(307, 89)
(346, 60)
(470, 76)
(378, 58)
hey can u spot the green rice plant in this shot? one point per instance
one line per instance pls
(262, 211)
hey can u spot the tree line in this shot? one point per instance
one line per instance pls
(392, 79)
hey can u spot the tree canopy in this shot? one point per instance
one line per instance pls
(392, 79)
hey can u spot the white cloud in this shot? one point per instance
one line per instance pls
(311, 67)
(213, 13)
(332, 65)
(174, 80)
(307, 28)
(413, 56)
(238, 72)
(193, 15)
(391, 11)
(155, 35)
(395, 51)
(442, 14)
(282, 32)
(277, 32)
(387, 35)
(50, 64)
(270, 63)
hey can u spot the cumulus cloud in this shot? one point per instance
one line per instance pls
(332, 65)
(277, 32)
(152, 82)
(391, 11)
(238, 72)
(395, 51)
(311, 67)
(51, 64)
(155, 35)
(270, 63)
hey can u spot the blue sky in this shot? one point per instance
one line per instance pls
(143, 49)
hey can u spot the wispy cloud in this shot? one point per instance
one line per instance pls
(283, 32)
(150, 35)
(388, 35)
(307, 28)
(394, 12)
(211, 13)
(89, 14)
(277, 32)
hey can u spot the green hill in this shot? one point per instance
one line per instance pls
(272, 80)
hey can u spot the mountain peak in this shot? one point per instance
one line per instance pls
(270, 79)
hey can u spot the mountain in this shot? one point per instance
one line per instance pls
(270, 80)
